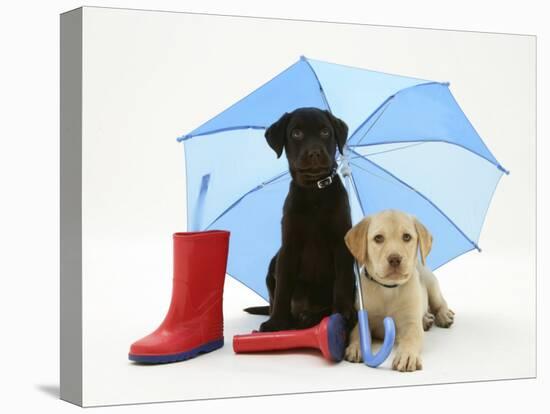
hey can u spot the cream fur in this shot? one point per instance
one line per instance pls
(416, 303)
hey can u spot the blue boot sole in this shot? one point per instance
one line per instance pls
(181, 356)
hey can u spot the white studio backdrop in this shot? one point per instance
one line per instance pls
(149, 77)
(29, 165)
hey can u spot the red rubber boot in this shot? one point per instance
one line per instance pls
(194, 323)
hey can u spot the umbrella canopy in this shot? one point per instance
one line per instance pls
(410, 147)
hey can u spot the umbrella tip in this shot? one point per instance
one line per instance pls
(302, 57)
(183, 137)
(504, 170)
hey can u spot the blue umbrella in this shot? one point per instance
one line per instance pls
(410, 148)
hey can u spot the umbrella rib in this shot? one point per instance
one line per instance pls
(318, 82)
(375, 121)
(373, 174)
(183, 137)
(258, 187)
(421, 195)
(500, 167)
(416, 144)
(388, 99)
(215, 131)
(357, 194)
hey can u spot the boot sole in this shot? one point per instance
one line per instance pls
(181, 356)
(337, 337)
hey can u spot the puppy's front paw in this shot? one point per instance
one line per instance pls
(406, 361)
(444, 318)
(272, 325)
(353, 352)
(428, 320)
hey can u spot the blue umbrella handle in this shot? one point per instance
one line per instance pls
(364, 330)
(364, 335)
(363, 317)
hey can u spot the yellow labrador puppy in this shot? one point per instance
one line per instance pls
(396, 283)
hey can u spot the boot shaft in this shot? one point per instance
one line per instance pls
(200, 261)
(200, 258)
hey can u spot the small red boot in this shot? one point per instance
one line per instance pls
(194, 323)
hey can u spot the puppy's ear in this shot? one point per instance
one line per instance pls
(276, 134)
(340, 131)
(424, 240)
(356, 240)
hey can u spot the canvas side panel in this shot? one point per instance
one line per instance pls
(71, 207)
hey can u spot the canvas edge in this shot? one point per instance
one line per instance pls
(71, 207)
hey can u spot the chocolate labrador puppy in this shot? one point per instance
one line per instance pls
(311, 276)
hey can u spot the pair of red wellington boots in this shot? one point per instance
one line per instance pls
(194, 323)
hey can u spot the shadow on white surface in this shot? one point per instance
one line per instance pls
(51, 390)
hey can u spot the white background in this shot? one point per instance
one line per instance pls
(145, 83)
(30, 223)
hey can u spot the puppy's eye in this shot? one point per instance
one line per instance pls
(325, 133)
(407, 237)
(297, 134)
(379, 238)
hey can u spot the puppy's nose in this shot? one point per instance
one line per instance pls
(394, 260)
(314, 153)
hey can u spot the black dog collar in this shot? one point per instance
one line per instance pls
(376, 281)
(325, 182)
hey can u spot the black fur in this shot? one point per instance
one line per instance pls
(311, 276)
(258, 310)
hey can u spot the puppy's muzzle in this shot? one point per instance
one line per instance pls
(394, 260)
(314, 155)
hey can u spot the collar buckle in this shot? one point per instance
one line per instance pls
(325, 182)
